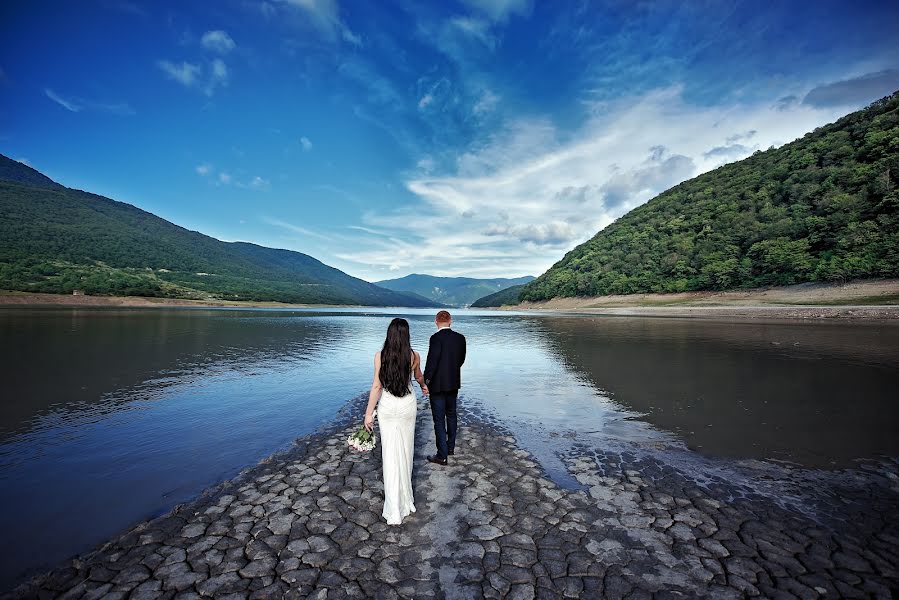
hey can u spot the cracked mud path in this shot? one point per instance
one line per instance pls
(306, 523)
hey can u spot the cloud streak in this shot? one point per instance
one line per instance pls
(77, 105)
(521, 197)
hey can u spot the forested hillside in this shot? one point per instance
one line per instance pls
(822, 208)
(501, 298)
(55, 239)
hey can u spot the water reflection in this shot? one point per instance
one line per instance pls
(111, 416)
(819, 394)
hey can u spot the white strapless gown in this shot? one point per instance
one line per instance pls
(396, 421)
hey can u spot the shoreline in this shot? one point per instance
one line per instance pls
(26, 300)
(306, 521)
(862, 300)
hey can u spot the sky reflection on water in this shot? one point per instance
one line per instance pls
(112, 416)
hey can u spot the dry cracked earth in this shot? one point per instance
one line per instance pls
(306, 524)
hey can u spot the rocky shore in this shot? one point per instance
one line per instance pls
(306, 523)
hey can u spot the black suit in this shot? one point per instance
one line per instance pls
(446, 354)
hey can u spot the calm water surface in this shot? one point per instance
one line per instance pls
(111, 416)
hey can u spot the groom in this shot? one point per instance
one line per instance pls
(446, 353)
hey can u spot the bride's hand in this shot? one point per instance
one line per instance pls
(369, 422)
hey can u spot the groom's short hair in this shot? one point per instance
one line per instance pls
(443, 317)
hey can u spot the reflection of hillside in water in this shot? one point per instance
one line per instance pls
(819, 394)
(94, 360)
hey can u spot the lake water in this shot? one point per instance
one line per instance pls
(112, 416)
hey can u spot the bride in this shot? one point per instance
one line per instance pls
(394, 366)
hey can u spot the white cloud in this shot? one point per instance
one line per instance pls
(217, 41)
(295, 228)
(218, 76)
(499, 10)
(79, 104)
(204, 169)
(224, 178)
(214, 76)
(306, 143)
(259, 183)
(24, 161)
(521, 197)
(487, 103)
(425, 101)
(476, 28)
(65, 103)
(325, 16)
(185, 73)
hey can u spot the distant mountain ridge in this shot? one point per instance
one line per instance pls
(822, 208)
(56, 239)
(452, 291)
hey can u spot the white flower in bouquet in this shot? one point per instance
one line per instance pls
(362, 440)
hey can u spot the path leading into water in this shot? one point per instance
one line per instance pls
(306, 523)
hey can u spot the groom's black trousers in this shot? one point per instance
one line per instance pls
(443, 409)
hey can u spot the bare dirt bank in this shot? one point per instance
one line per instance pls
(23, 299)
(858, 300)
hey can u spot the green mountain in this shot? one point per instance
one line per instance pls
(504, 297)
(822, 208)
(55, 239)
(452, 291)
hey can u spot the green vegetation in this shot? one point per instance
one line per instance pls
(56, 240)
(822, 208)
(504, 297)
(452, 291)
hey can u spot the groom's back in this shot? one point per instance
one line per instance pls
(446, 354)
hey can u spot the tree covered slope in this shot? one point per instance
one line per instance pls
(822, 208)
(56, 239)
(504, 297)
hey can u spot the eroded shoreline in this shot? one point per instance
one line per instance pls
(306, 523)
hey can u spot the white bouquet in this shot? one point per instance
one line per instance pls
(362, 440)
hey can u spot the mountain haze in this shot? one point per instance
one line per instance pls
(56, 239)
(822, 208)
(452, 291)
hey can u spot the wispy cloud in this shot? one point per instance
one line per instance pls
(225, 178)
(295, 228)
(500, 10)
(854, 91)
(527, 193)
(75, 105)
(325, 16)
(63, 102)
(185, 73)
(217, 41)
(191, 75)
(306, 143)
(218, 76)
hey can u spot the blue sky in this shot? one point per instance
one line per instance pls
(479, 137)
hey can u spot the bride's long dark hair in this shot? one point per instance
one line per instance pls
(396, 359)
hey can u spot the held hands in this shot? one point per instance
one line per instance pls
(424, 390)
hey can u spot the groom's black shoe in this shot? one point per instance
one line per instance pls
(437, 460)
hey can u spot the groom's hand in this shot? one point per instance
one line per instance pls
(424, 390)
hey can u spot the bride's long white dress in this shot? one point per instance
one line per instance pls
(396, 421)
